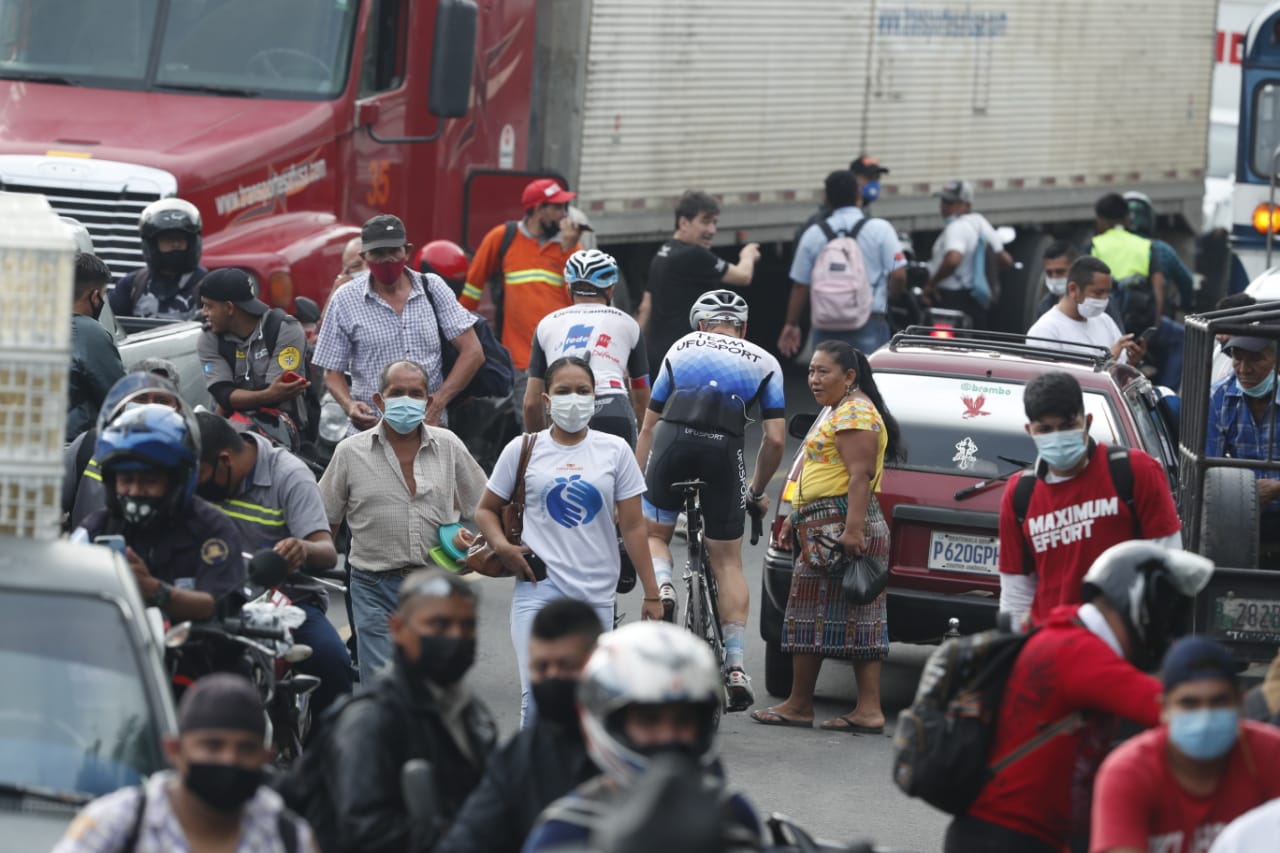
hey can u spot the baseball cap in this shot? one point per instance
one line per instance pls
(383, 231)
(545, 191)
(956, 190)
(222, 700)
(232, 285)
(865, 165)
(1196, 658)
(1248, 343)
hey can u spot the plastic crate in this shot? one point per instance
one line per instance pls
(37, 268)
(30, 501)
(33, 407)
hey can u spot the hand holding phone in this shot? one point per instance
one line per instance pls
(536, 563)
(291, 376)
(114, 542)
(1147, 334)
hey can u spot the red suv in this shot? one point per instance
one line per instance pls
(958, 401)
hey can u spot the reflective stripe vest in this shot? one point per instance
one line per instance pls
(1127, 254)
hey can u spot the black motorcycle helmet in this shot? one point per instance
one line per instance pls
(165, 215)
(1153, 589)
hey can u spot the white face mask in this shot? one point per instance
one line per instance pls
(1056, 286)
(572, 412)
(1091, 308)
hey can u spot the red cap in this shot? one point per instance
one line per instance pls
(545, 191)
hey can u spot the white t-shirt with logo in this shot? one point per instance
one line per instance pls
(605, 337)
(570, 495)
(961, 235)
(1100, 331)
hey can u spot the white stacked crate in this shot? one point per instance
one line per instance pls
(36, 271)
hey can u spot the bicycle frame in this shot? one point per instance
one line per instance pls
(702, 601)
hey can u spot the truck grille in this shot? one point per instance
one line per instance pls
(111, 217)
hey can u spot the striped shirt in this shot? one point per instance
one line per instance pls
(1234, 433)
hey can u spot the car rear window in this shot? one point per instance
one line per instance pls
(963, 426)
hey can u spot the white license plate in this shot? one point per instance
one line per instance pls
(1248, 618)
(956, 552)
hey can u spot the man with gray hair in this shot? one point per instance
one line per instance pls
(395, 485)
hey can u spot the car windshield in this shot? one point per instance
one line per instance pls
(74, 713)
(953, 425)
(293, 49)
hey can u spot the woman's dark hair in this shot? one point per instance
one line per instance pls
(851, 359)
(561, 363)
(1054, 394)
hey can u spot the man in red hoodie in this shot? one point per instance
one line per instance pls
(1085, 664)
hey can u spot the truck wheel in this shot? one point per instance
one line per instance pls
(777, 670)
(1229, 518)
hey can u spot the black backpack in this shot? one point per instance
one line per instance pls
(496, 376)
(943, 743)
(285, 826)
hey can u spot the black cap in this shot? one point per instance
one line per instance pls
(222, 700)
(1197, 658)
(232, 285)
(868, 166)
(383, 231)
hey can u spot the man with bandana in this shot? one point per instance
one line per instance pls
(213, 799)
(95, 361)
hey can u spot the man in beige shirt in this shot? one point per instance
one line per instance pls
(395, 484)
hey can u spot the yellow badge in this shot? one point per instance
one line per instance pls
(213, 551)
(289, 358)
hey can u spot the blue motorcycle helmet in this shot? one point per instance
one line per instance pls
(150, 437)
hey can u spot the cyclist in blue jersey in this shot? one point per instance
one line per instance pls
(699, 408)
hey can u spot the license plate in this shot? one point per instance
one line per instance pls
(1248, 618)
(956, 552)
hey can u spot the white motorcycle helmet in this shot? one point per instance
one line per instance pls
(645, 663)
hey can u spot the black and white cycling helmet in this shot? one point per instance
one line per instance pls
(1153, 589)
(590, 271)
(645, 663)
(165, 215)
(718, 305)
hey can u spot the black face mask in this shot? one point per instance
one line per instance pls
(557, 700)
(444, 660)
(170, 263)
(213, 491)
(224, 787)
(96, 307)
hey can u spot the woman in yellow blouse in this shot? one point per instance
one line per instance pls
(835, 496)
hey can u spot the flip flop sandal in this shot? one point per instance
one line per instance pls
(844, 724)
(770, 717)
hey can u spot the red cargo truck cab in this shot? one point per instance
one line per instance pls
(286, 122)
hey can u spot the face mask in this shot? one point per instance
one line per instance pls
(947, 220)
(404, 414)
(444, 660)
(1206, 734)
(557, 700)
(1091, 308)
(97, 306)
(213, 491)
(139, 510)
(386, 272)
(225, 787)
(1056, 286)
(870, 192)
(1262, 389)
(1062, 449)
(170, 262)
(572, 412)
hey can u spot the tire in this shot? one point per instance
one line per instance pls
(777, 670)
(1229, 518)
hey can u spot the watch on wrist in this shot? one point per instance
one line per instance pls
(162, 596)
(755, 498)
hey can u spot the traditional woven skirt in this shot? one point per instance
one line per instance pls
(819, 620)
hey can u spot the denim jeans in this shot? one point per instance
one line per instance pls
(1166, 353)
(329, 661)
(866, 340)
(373, 600)
(528, 599)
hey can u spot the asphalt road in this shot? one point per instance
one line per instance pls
(837, 786)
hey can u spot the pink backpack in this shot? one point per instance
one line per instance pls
(839, 289)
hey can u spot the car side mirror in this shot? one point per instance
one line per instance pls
(306, 310)
(800, 424)
(453, 54)
(267, 569)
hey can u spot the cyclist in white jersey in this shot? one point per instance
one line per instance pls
(709, 381)
(605, 337)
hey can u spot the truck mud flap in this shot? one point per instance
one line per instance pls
(1241, 609)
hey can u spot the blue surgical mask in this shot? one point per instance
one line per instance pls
(404, 414)
(947, 220)
(1205, 734)
(870, 191)
(1063, 449)
(1262, 389)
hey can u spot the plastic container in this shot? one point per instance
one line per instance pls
(30, 501)
(33, 407)
(37, 269)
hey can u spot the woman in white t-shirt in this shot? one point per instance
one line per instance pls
(579, 481)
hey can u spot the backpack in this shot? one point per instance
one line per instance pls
(985, 270)
(496, 281)
(496, 376)
(1121, 469)
(285, 826)
(943, 743)
(270, 334)
(839, 290)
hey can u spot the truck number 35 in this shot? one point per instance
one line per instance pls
(379, 183)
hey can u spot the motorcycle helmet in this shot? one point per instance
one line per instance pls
(590, 272)
(718, 305)
(135, 389)
(78, 234)
(170, 214)
(274, 425)
(148, 438)
(1142, 213)
(1152, 588)
(445, 258)
(645, 663)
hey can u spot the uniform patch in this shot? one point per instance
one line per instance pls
(289, 358)
(214, 551)
(208, 367)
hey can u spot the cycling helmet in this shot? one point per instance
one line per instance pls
(444, 258)
(645, 663)
(590, 271)
(1152, 588)
(132, 390)
(718, 305)
(147, 438)
(1142, 213)
(170, 214)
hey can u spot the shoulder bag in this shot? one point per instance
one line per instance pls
(481, 558)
